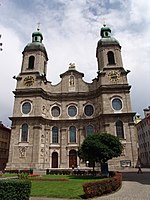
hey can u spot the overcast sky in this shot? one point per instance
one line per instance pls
(71, 32)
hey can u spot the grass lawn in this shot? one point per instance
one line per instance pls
(8, 175)
(71, 189)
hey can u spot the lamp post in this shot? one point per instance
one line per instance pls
(0, 45)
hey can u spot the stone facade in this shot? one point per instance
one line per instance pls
(50, 122)
(143, 133)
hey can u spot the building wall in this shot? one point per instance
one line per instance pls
(4, 145)
(143, 132)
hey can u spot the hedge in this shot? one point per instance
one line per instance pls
(15, 189)
(98, 188)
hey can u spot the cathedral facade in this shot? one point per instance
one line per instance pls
(50, 122)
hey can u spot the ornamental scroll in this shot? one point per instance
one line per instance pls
(22, 151)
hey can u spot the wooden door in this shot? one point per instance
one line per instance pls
(72, 158)
(54, 160)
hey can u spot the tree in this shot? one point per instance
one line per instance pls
(100, 148)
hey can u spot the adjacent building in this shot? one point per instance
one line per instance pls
(50, 122)
(143, 132)
(4, 145)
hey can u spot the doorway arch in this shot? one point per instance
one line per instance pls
(72, 158)
(54, 160)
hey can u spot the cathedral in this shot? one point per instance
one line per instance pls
(50, 122)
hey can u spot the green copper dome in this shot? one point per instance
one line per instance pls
(105, 31)
(36, 44)
(37, 35)
(106, 38)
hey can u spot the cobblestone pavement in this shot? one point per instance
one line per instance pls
(134, 187)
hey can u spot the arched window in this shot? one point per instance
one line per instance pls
(72, 134)
(111, 59)
(55, 111)
(31, 62)
(24, 133)
(72, 111)
(89, 130)
(88, 110)
(55, 135)
(119, 129)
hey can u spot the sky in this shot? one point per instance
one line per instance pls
(71, 31)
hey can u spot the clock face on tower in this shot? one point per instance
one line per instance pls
(114, 76)
(28, 81)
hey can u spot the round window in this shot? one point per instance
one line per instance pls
(72, 111)
(55, 111)
(117, 104)
(88, 110)
(26, 107)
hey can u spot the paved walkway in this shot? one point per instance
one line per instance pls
(134, 187)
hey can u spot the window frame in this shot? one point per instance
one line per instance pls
(87, 133)
(55, 136)
(120, 129)
(113, 106)
(76, 111)
(25, 102)
(111, 58)
(72, 138)
(55, 106)
(85, 110)
(26, 131)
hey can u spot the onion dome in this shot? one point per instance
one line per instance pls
(36, 44)
(106, 38)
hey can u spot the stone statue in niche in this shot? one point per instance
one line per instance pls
(44, 110)
(22, 151)
(42, 153)
(71, 81)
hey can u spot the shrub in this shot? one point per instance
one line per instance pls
(98, 188)
(23, 176)
(15, 189)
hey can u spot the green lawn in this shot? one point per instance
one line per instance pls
(71, 189)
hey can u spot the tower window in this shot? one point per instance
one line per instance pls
(24, 133)
(72, 134)
(26, 107)
(31, 62)
(119, 129)
(117, 104)
(54, 135)
(111, 59)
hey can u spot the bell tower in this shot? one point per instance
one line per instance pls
(35, 56)
(110, 65)
(108, 51)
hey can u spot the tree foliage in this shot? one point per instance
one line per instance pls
(100, 148)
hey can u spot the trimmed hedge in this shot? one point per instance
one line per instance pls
(17, 171)
(15, 189)
(98, 188)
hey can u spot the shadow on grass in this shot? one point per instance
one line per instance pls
(84, 177)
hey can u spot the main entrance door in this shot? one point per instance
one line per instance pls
(54, 160)
(72, 158)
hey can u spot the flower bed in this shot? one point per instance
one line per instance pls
(98, 188)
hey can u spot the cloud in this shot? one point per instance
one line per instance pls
(10, 59)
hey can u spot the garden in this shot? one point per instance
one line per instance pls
(61, 186)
